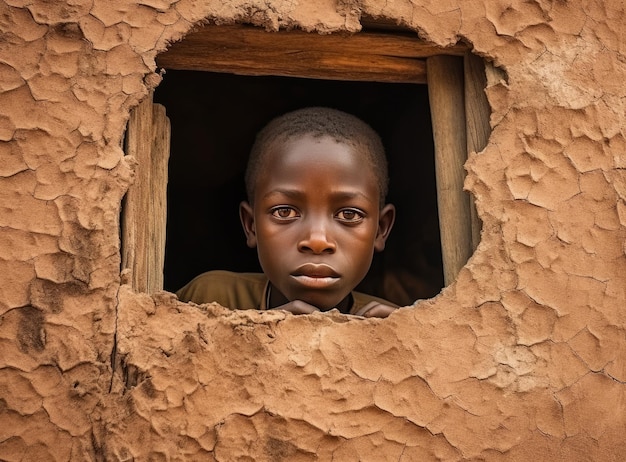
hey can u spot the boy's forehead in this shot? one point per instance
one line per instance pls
(278, 152)
(311, 150)
(288, 157)
(312, 155)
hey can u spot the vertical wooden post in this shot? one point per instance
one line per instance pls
(447, 106)
(477, 113)
(144, 212)
(161, 132)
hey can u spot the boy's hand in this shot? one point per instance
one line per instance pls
(376, 309)
(373, 309)
(297, 307)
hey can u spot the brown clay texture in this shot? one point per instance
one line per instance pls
(522, 358)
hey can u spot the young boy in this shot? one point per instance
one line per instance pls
(316, 183)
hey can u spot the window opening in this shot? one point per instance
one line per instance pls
(214, 120)
(216, 114)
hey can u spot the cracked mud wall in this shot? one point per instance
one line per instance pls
(523, 357)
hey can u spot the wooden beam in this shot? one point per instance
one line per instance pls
(446, 94)
(300, 63)
(161, 134)
(144, 212)
(477, 114)
(399, 45)
(249, 50)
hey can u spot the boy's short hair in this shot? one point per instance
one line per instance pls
(318, 122)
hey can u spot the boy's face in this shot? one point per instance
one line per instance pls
(316, 220)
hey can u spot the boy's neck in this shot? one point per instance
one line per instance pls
(275, 298)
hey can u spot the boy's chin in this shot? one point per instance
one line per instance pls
(325, 304)
(320, 299)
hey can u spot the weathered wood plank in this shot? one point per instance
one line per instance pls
(301, 63)
(446, 94)
(399, 45)
(144, 210)
(158, 196)
(249, 50)
(134, 212)
(477, 114)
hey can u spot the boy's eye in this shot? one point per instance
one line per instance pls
(350, 215)
(284, 213)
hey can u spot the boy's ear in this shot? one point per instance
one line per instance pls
(246, 215)
(385, 223)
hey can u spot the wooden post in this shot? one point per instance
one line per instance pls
(144, 212)
(477, 113)
(447, 106)
(158, 186)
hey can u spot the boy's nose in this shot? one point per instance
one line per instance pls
(317, 241)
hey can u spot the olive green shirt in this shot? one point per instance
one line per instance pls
(245, 291)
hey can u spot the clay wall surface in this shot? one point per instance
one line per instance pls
(522, 358)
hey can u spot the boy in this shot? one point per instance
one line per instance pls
(316, 183)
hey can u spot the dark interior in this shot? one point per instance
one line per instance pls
(214, 120)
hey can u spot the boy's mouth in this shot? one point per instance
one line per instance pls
(316, 276)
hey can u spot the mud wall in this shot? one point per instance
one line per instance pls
(523, 358)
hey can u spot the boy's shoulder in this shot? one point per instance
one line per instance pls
(360, 300)
(229, 289)
(226, 276)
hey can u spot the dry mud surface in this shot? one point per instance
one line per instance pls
(522, 358)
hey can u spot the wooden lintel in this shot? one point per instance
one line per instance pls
(252, 51)
(401, 45)
(300, 63)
